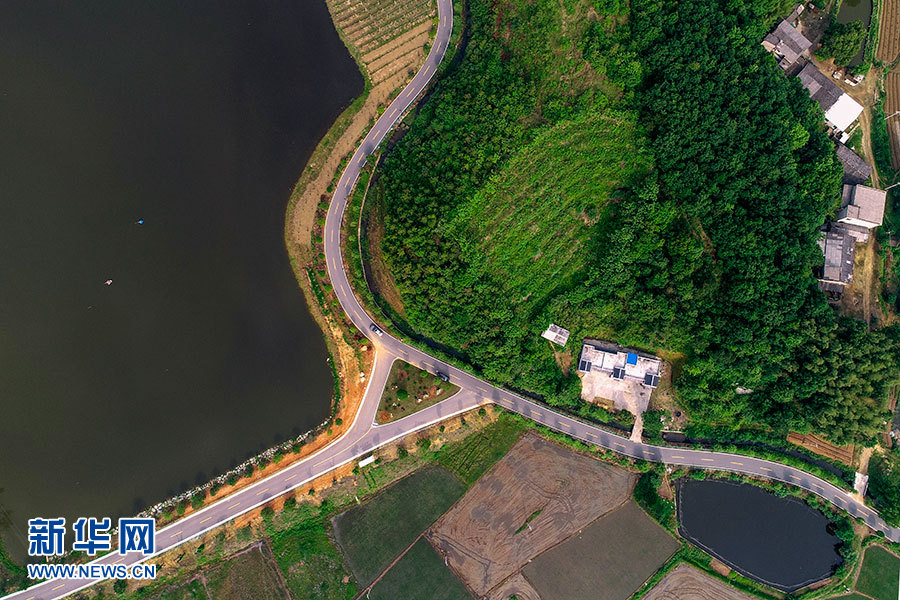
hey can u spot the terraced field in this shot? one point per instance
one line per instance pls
(387, 36)
(889, 34)
(892, 105)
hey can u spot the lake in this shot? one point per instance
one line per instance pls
(779, 541)
(856, 10)
(153, 144)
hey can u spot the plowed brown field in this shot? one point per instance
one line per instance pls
(687, 583)
(891, 106)
(538, 495)
(889, 32)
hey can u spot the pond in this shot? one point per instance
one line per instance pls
(781, 542)
(856, 10)
(154, 145)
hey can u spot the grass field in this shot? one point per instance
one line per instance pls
(191, 590)
(409, 390)
(309, 562)
(528, 227)
(474, 455)
(419, 575)
(879, 574)
(374, 533)
(246, 576)
(608, 561)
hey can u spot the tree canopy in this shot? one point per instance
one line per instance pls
(842, 41)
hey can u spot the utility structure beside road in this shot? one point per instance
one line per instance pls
(364, 435)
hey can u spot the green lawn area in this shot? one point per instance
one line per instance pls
(245, 576)
(879, 574)
(192, 590)
(311, 565)
(475, 454)
(419, 575)
(374, 533)
(410, 389)
(853, 597)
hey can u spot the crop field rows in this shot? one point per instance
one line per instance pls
(892, 105)
(369, 25)
(889, 35)
(388, 36)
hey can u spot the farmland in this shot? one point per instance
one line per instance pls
(528, 227)
(889, 35)
(627, 545)
(687, 583)
(879, 574)
(248, 575)
(373, 534)
(419, 575)
(309, 562)
(891, 105)
(473, 456)
(550, 490)
(410, 389)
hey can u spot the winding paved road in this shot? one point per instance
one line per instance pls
(364, 435)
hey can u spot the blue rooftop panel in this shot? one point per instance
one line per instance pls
(631, 358)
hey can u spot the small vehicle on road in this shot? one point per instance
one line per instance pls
(443, 376)
(376, 330)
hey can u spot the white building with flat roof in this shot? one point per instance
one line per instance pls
(619, 363)
(862, 206)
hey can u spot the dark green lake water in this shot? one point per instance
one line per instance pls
(197, 118)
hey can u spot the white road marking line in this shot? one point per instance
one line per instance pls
(205, 520)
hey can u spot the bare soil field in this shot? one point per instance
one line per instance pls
(607, 561)
(684, 582)
(892, 105)
(516, 586)
(248, 575)
(538, 495)
(823, 447)
(889, 33)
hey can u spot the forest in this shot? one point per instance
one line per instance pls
(640, 172)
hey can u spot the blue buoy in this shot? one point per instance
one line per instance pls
(140, 222)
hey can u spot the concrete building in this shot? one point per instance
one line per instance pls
(862, 206)
(840, 109)
(856, 170)
(619, 363)
(786, 43)
(556, 334)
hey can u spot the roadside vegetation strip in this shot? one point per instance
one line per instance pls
(472, 457)
(373, 534)
(419, 575)
(879, 574)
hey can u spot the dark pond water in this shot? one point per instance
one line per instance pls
(856, 10)
(779, 541)
(196, 117)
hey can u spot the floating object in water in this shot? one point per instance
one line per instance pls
(108, 282)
